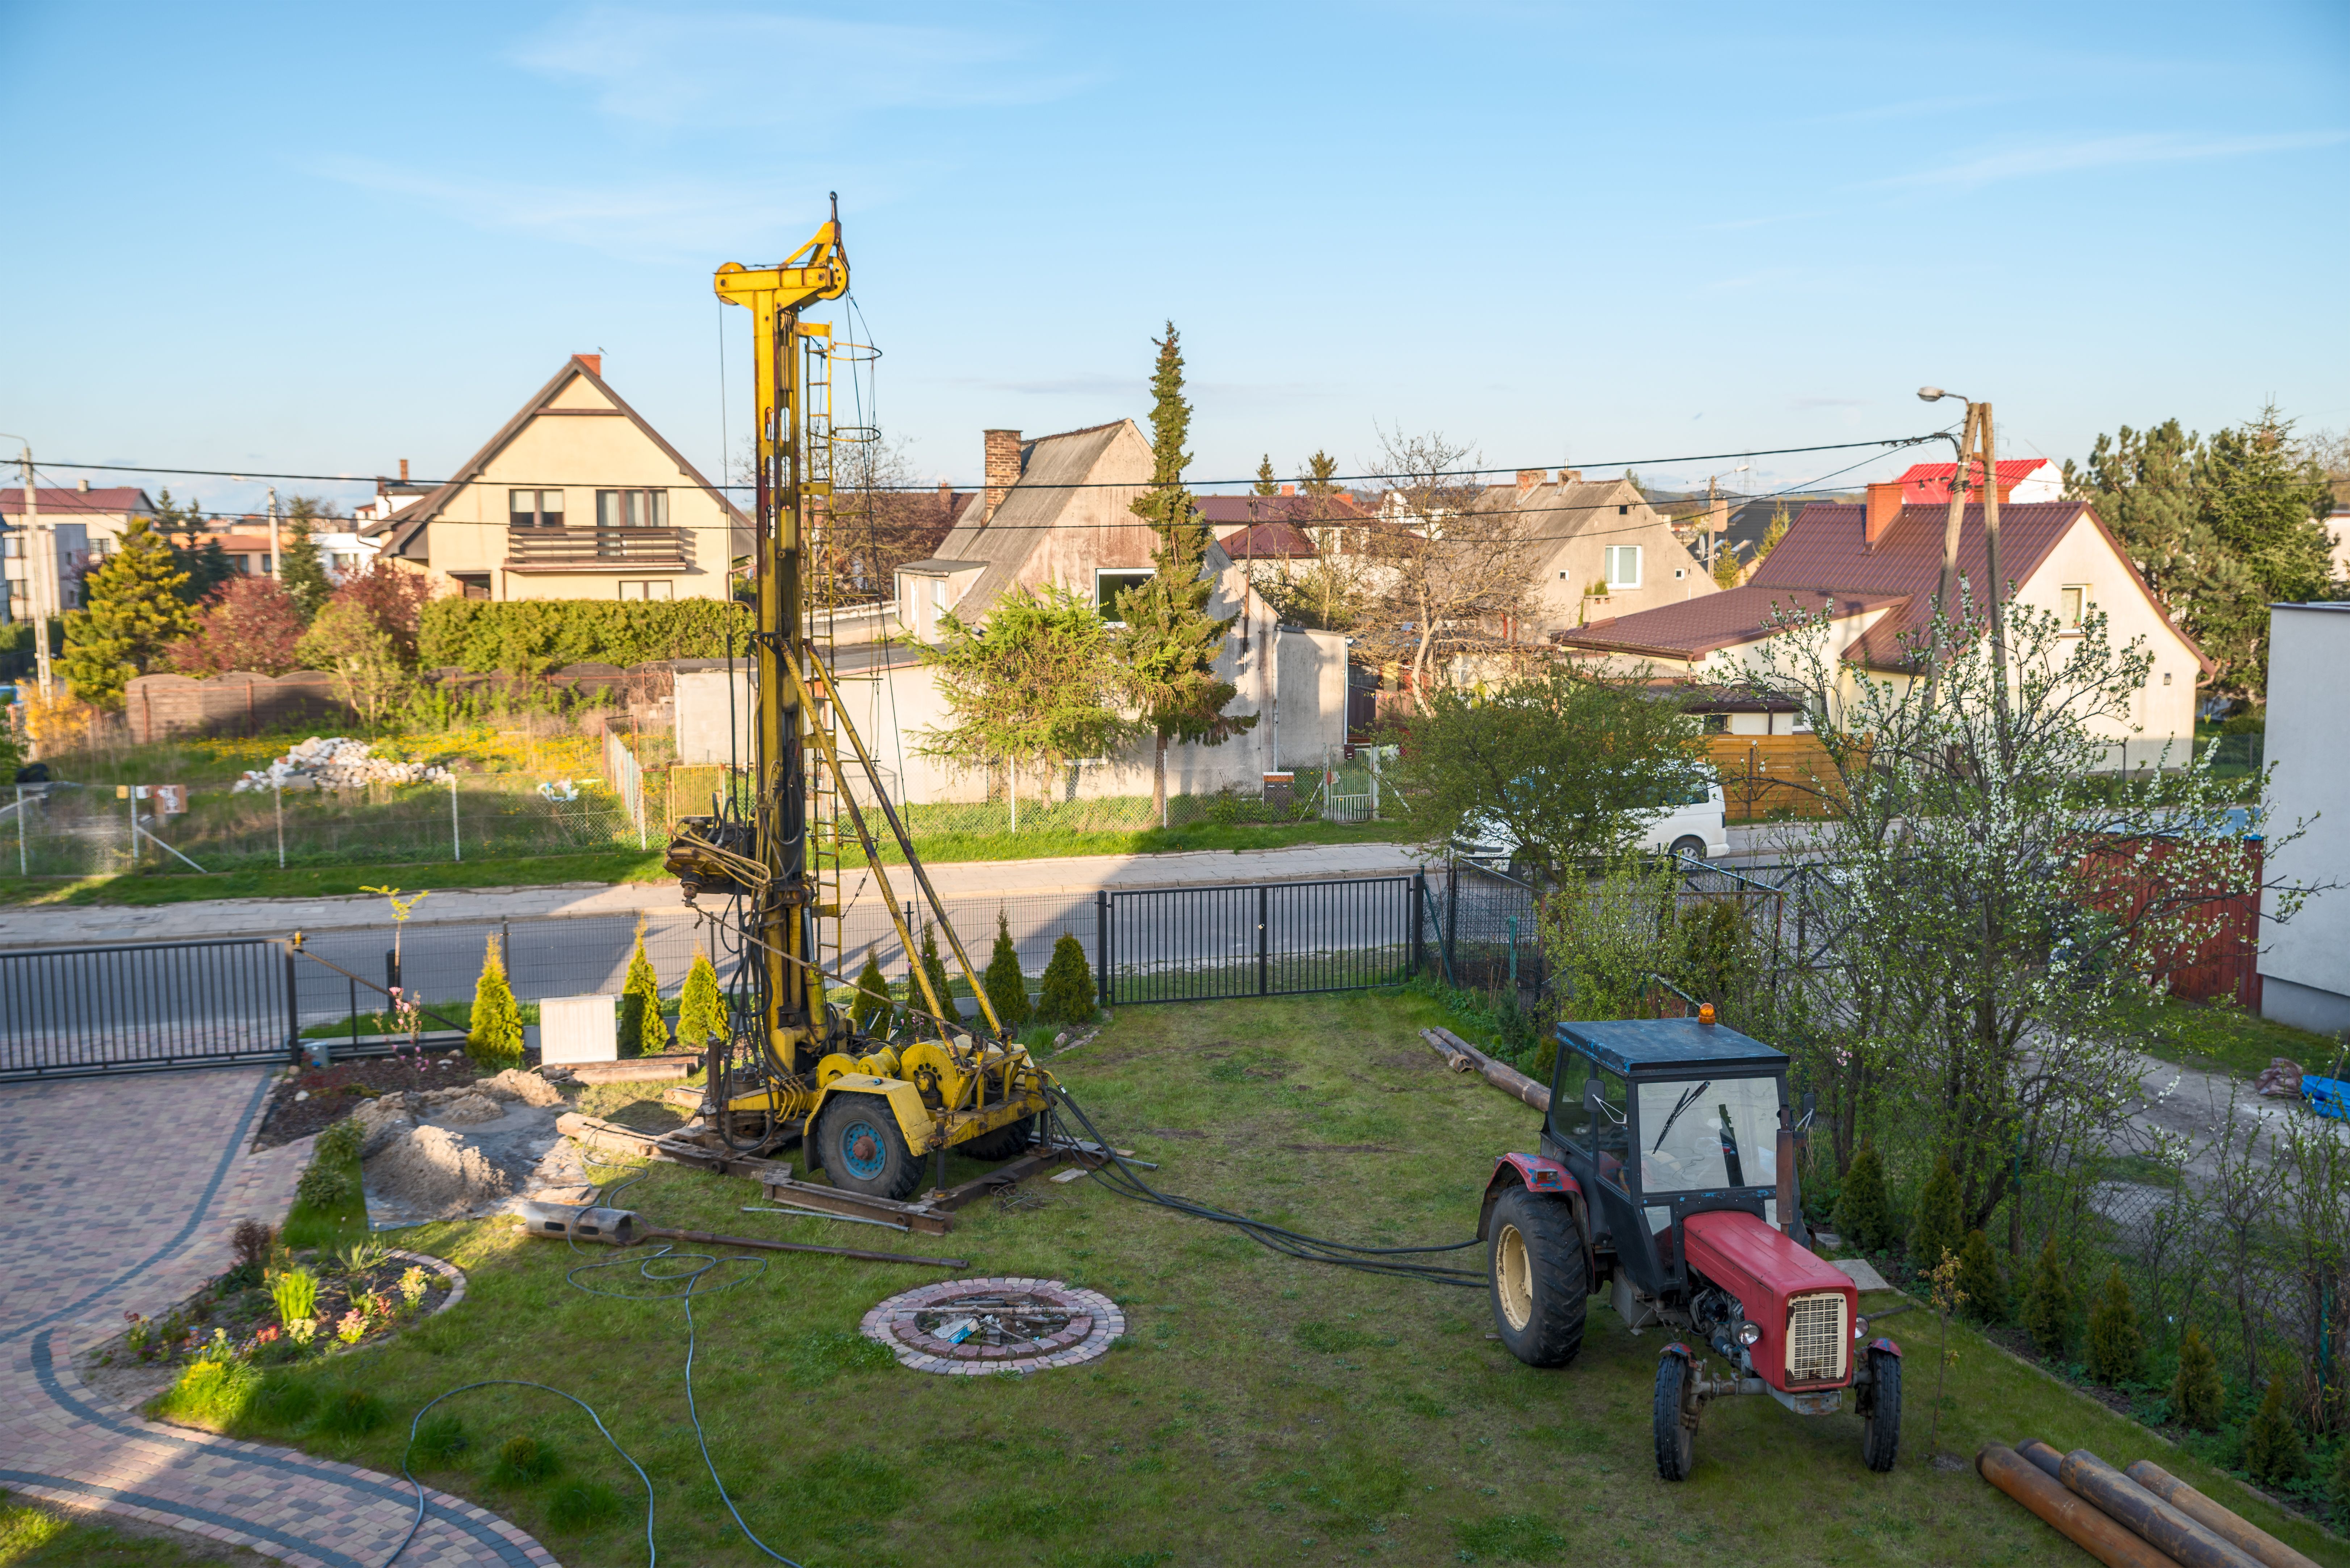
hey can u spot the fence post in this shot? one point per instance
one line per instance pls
(505, 949)
(1101, 943)
(21, 870)
(1418, 931)
(1451, 913)
(1263, 907)
(456, 846)
(1513, 955)
(277, 791)
(292, 1006)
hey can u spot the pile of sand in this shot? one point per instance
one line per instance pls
(434, 1170)
(517, 1084)
(448, 1153)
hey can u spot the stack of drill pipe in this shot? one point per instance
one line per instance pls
(2074, 1518)
(2241, 1533)
(2175, 1535)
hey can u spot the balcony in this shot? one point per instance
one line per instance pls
(599, 549)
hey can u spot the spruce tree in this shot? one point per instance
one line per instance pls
(935, 969)
(1266, 484)
(642, 1030)
(1007, 988)
(2272, 1450)
(299, 566)
(2048, 1306)
(2117, 1349)
(1068, 992)
(1169, 640)
(1939, 1230)
(870, 1012)
(1861, 1211)
(701, 1006)
(131, 612)
(494, 1038)
(2196, 1396)
(1981, 1278)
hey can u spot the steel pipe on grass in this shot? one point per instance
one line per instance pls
(2187, 1542)
(2074, 1518)
(2239, 1531)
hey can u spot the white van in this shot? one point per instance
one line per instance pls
(1692, 821)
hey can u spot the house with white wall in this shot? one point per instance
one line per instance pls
(2305, 962)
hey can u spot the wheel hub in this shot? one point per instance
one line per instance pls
(994, 1325)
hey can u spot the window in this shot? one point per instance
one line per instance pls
(1714, 724)
(1623, 566)
(1715, 1132)
(632, 509)
(1107, 586)
(1679, 572)
(471, 585)
(2073, 605)
(1561, 576)
(535, 508)
(653, 589)
(1610, 1141)
(1624, 510)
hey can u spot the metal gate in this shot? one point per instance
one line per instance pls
(1256, 939)
(70, 1011)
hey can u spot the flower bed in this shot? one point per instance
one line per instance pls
(315, 1098)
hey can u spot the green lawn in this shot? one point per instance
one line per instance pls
(1259, 1410)
(2223, 1038)
(33, 1534)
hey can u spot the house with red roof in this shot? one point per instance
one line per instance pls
(103, 513)
(2022, 479)
(1872, 570)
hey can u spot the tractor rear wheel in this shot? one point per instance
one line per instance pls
(1002, 1143)
(1881, 1412)
(1537, 1279)
(858, 1139)
(1676, 1416)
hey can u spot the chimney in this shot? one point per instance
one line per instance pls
(403, 471)
(1003, 468)
(1530, 477)
(946, 493)
(1570, 476)
(85, 487)
(594, 362)
(1883, 506)
(1286, 490)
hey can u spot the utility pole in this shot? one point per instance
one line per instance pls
(276, 576)
(1990, 567)
(37, 559)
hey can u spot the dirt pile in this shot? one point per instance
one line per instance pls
(517, 1084)
(467, 1108)
(432, 1170)
(385, 1119)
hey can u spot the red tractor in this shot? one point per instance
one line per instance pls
(1667, 1177)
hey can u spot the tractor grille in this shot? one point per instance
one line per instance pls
(1815, 1338)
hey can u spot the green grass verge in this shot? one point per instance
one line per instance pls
(32, 1533)
(310, 1225)
(1259, 1408)
(2224, 1038)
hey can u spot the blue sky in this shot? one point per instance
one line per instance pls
(321, 239)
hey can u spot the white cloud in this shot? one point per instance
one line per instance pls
(2110, 152)
(742, 68)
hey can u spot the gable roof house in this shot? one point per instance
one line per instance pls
(1873, 568)
(1599, 549)
(575, 497)
(103, 512)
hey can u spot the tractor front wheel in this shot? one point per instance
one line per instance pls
(1536, 1275)
(1881, 1412)
(1676, 1416)
(862, 1148)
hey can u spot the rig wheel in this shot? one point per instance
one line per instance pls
(1536, 1277)
(1003, 1142)
(863, 1149)
(1881, 1412)
(1676, 1416)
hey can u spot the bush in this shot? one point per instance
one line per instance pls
(1007, 988)
(326, 1184)
(295, 1292)
(701, 1006)
(523, 1460)
(2196, 1395)
(1981, 1278)
(641, 1027)
(2117, 1349)
(495, 1040)
(283, 1399)
(870, 1012)
(2272, 1450)
(439, 1440)
(2048, 1306)
(934, 970)
(1862, 1213)
(350, 1413)
(530, 635)
(582, 1505)
(340, 1142)
(1939, 1231)
(2338, 1486)
(1068, 993)
(215, 1392)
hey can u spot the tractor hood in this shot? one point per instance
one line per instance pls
(1804, 1307)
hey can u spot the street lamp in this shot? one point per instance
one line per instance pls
(1978, 429)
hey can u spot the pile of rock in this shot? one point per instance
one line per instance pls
(336, 763)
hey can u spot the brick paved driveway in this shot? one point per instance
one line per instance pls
(117, 1195)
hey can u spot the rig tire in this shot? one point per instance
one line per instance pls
(1536, 1277)
(1003, 1142)
(863, 1149)
(1881, 1412)
(1676, 1417)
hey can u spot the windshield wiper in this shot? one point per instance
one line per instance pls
(1688, 1100)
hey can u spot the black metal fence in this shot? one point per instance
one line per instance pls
(70, 1011)
(1256, 939)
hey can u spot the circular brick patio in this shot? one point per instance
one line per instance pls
(995, 1324)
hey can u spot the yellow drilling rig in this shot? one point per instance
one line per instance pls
(868, 1110)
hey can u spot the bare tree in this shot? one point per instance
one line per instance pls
(877, 519)
(1446, 559)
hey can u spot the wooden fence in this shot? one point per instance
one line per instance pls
(1767, 775)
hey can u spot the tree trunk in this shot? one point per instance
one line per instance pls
(1158, 775)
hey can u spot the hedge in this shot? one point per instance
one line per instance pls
(529, 635)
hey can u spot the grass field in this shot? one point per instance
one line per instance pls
(2223, 1038)
(1259, 1410)
(33, 1535)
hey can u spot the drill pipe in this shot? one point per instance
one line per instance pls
(2187, 1542)
(2074, 1518)
(2041, 1454)
(2244, 1535)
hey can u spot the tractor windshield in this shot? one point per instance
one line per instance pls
(1709, 1132)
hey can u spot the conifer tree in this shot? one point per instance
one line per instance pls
(2338, 1484)
(1068, 996)
(1318, 470)
(701, 1006)
(2272, 1450)
(642, 1029)
(2116, 1348)
(494, 1038)
(1861, 1210)
(1007, 988)
(1266, 484)
(132, 613)
(1939, 1231)
(935, 968)
(870, 1012)
(1171, 641)
(1981, 1278)
(2048, 1307)
(2196, 1396)
(299, 566)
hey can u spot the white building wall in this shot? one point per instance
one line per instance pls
(2305, 964)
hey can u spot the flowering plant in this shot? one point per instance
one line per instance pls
(302, 1330)
(412, 1285)
(353, 1327)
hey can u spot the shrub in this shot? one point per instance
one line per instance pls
(2196, 1395)
(582, 1505)
(1939, 1231)
(701, 1006)
(350, 1413)
(869, 1013)
(1068, 993)
(483, 635)
(1981, 1278)
(2117, 1349)
(1007, 988)
(439, 1440)
(345, 641)
(295, 1292)
(522, 1460)
(641, 1027)
(326, 1184)
(340, 1142)
(934, 968)
(1861, 1212)
(2272, 1450)
(2048, 1306)
(2338, 1485)
(214, 1392)
(495, 1040)
(246, 623)
(283, 1399)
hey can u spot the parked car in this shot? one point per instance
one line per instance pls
(1692, 820)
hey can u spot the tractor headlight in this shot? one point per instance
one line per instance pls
(1860, 1328)
(1749, 1333)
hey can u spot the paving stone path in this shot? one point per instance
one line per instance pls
(117, 1195)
